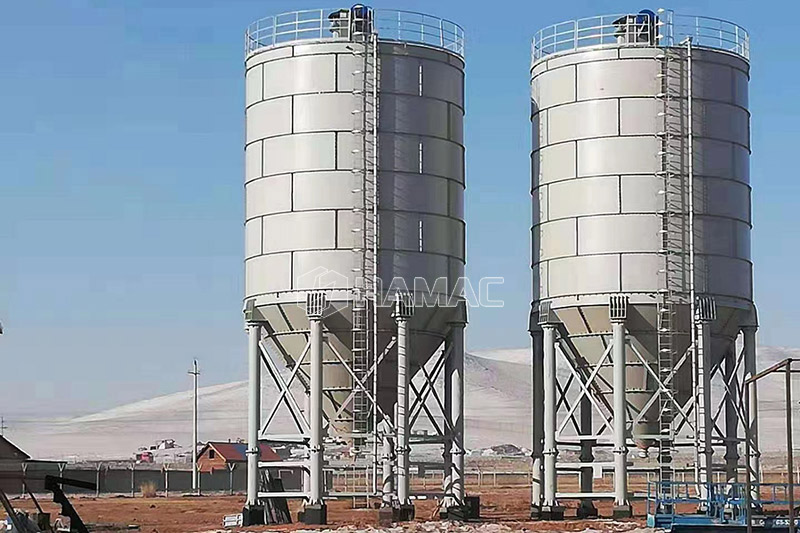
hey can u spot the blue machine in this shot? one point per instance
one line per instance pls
(676, 506)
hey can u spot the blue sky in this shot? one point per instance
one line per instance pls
(121, 130)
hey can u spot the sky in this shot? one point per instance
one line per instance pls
(121, 197)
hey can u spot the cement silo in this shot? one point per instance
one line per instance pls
(642, 276)
(355, 239)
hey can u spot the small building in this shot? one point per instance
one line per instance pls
(11, 455)
(224, 455)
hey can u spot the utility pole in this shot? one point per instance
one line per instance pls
(3, 426)
(194, 372)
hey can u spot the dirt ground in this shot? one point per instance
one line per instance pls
(502, 510)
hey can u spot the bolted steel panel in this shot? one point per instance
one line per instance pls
(582, 120)
(613, 79)
(300, 152)
(268, 196)
(269, 119)
(300, 75)
(268, 273)
(615, 233)
(322, 190)
(303, 230)
(322, 112)
(584, 196)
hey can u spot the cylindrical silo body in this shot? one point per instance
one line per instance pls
(310, 149)
(611, 122)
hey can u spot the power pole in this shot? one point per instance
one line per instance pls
(3, 426)
(194, 372)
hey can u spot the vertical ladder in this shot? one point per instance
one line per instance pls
(671, 249)
(364, 227)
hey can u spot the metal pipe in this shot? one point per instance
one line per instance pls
(316, 448)
(403, 449)
(620, 416)
(253, 412)
(538, 421)
(789, 444)
(550, 451)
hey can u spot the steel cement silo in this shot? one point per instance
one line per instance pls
(640, 243)
(355, 191)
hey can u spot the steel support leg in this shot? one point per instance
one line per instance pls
(704, 413)
(253, 412)
(316, 451)
(586, 508)
(403, 488)
(447, 453)
(388, 475)
(550, 508)
(731, 417)
(307, 413)
(456, 377)
(315, 511)
(754, 455)
(622, 506)
(538, 423)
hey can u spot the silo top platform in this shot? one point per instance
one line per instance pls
(338, 24)
(646, 28)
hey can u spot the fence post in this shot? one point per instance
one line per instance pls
(97, 480)
(24, 474)
(166, 481)
(133, 480)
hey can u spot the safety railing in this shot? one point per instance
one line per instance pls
(339, 24)
(664, 28)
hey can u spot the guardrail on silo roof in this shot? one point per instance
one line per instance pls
(335, 24)
(616, 30)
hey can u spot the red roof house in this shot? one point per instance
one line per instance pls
(222, 455)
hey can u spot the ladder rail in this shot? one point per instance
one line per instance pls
(365, 237)
(672, 249)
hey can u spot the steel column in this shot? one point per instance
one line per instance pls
(402, 412)
(316, 446)
(754, 456)
(586, 508)
(550, 451)
(253, 412)
(537, 422)
(307, 414)
(454, 373)
(388, 478)
(705, 424)
(620, 416)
